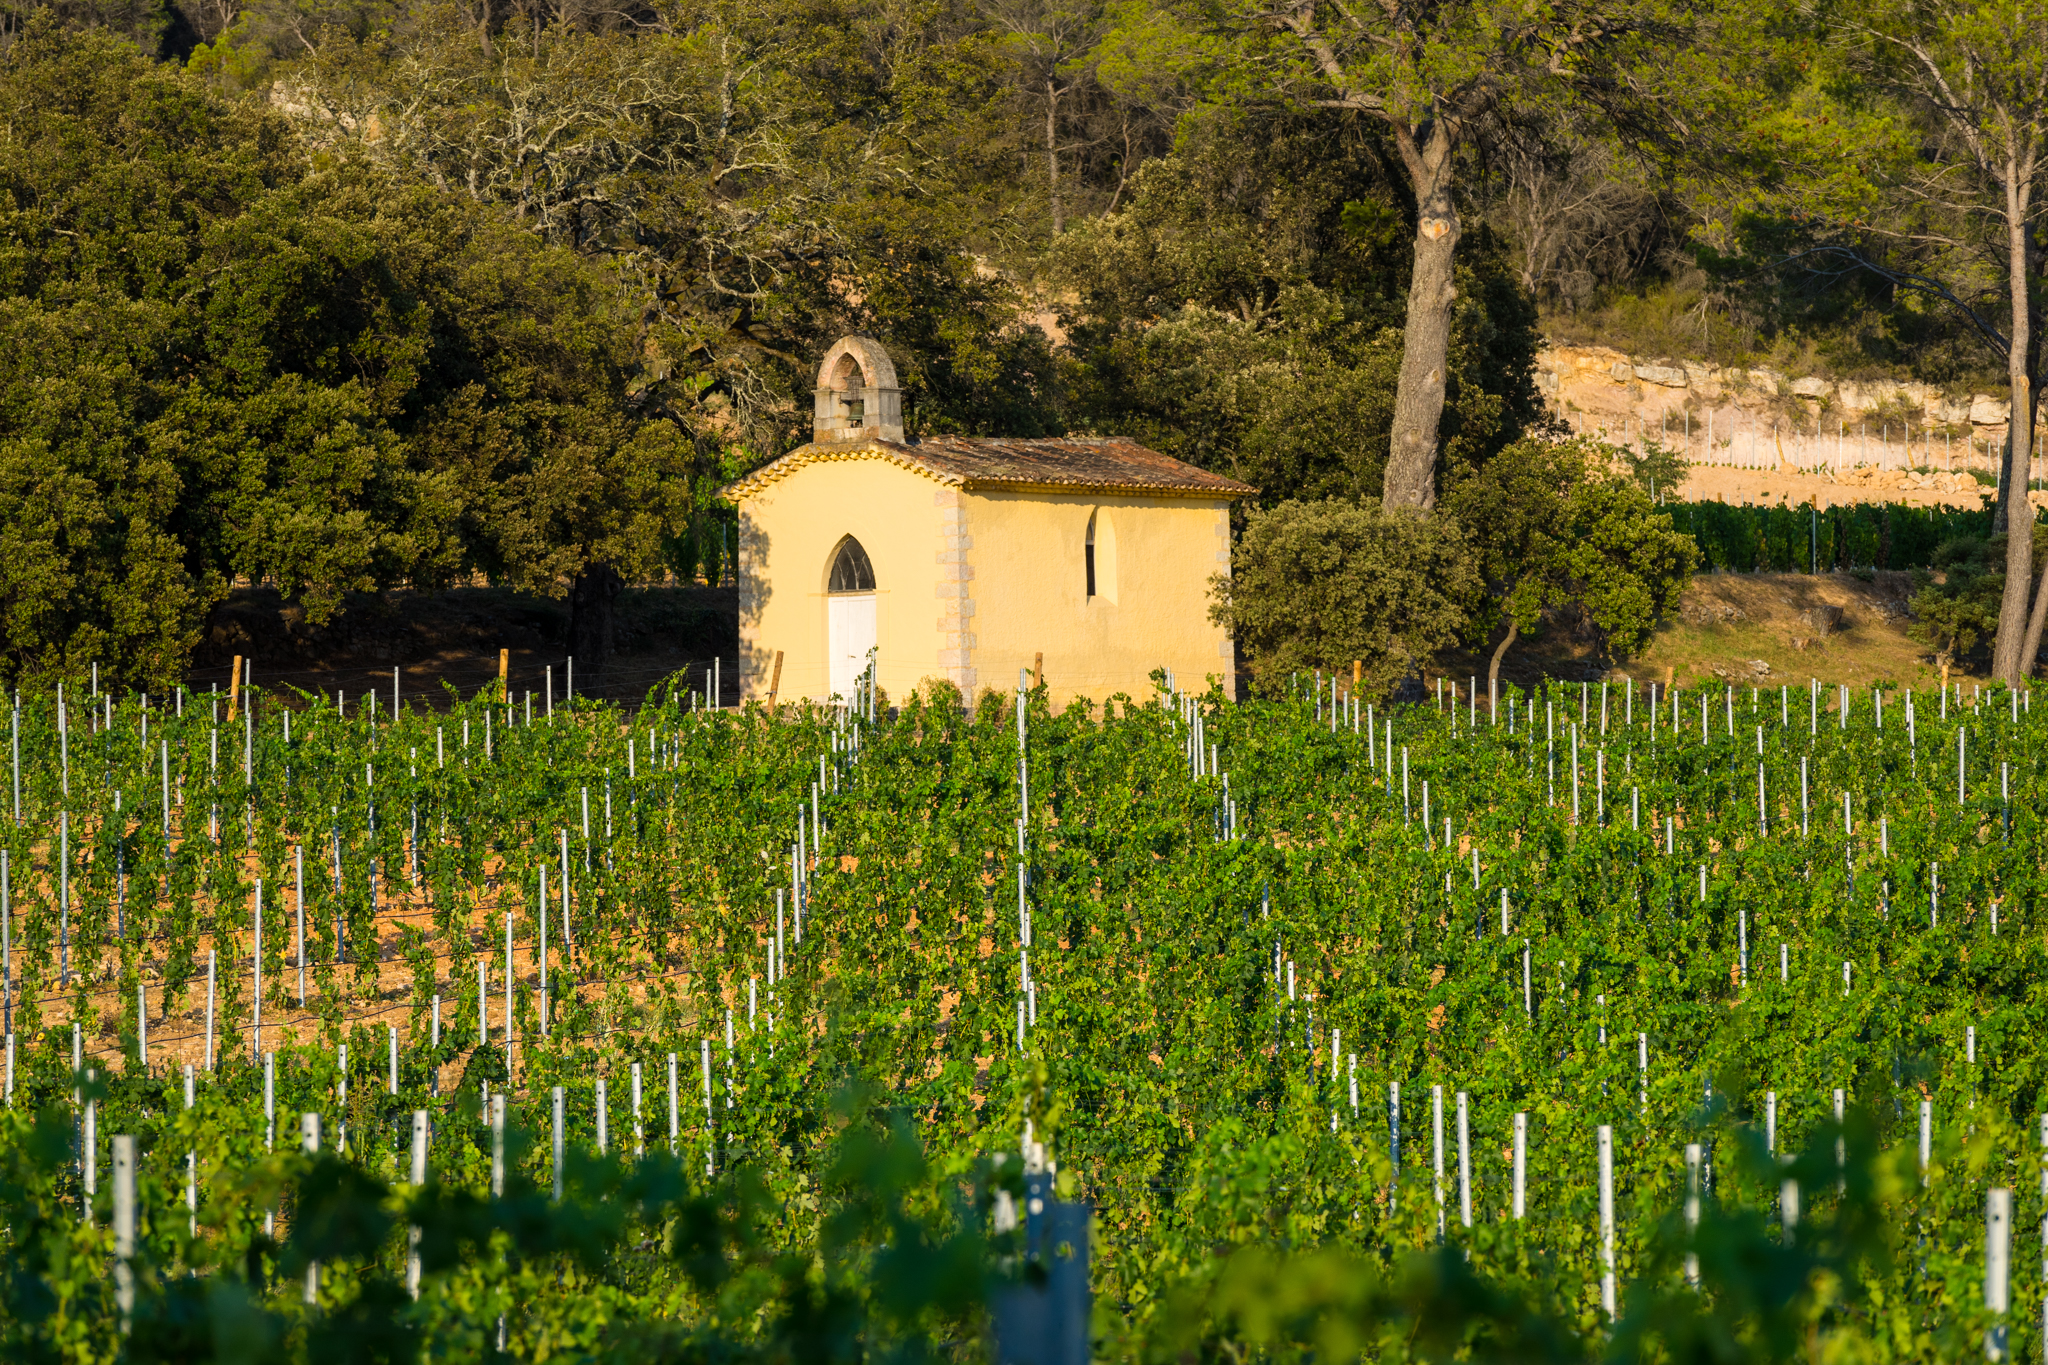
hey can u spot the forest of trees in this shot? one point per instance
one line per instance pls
(343, 294)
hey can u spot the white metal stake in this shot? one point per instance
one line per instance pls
(309, 1142)
(498, 1146)
(299, 889)
(542, 954)
(1521, 1164)
(209, 1007)
(1997, 1269)
(1394, 1130)
(1464, 1162)
(256, 1029)
(1606, 1142)
(1841, 1147)
(419, 1178)
(64, 898)
(1926, 1138)
(1436, 1106)
(124, 1225)
(191, 1163)
(1692, 1209)
(555, 1096)
(639, 1130)
(92, 1151)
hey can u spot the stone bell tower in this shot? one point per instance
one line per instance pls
(856, 398)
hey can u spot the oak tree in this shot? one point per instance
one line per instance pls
(1435, 74)
(1555, 526)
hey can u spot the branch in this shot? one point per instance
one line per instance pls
(1908, 279)
(1299, 19)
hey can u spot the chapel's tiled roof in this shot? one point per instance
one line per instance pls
(1092, 464)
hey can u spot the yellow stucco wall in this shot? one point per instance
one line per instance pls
(971, 585)
(1030, 591)
(788, 533)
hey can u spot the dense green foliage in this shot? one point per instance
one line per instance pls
(1541, 530)
(1315, 585)
(227, 359)
(1787, 539)
(1208, 960)
(1554, 528)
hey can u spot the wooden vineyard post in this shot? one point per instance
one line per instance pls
(775, 680)
(504, 674)
(234, 689)
(1038, 669)
(1357, 674)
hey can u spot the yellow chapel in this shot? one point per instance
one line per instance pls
(970, 558)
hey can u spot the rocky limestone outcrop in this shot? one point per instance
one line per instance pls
(1601, 381)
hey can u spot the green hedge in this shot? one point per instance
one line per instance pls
(1780, 539)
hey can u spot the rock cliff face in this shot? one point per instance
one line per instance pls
(1591, 385)
(1758, 435)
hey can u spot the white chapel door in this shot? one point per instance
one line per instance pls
(852, 630)
(849, 616)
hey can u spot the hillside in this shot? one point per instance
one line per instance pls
(1760, 629)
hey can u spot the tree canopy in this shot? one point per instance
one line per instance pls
(1554, 527)
(229, 359)
(332, 294)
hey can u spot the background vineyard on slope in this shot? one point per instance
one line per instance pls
(1197, 937)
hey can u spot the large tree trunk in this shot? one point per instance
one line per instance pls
(2031, 650)
(2030, 647)
(2007, 653)
(1500, 651)
(1052, 153)
(2003, 505)
(1427, 153)
(593, 632)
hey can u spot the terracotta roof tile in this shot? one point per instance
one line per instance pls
(1102, 464)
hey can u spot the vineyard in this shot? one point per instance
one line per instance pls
(1604, 1020)
(1807, 539)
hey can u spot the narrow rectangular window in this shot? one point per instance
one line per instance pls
(1088, 554)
